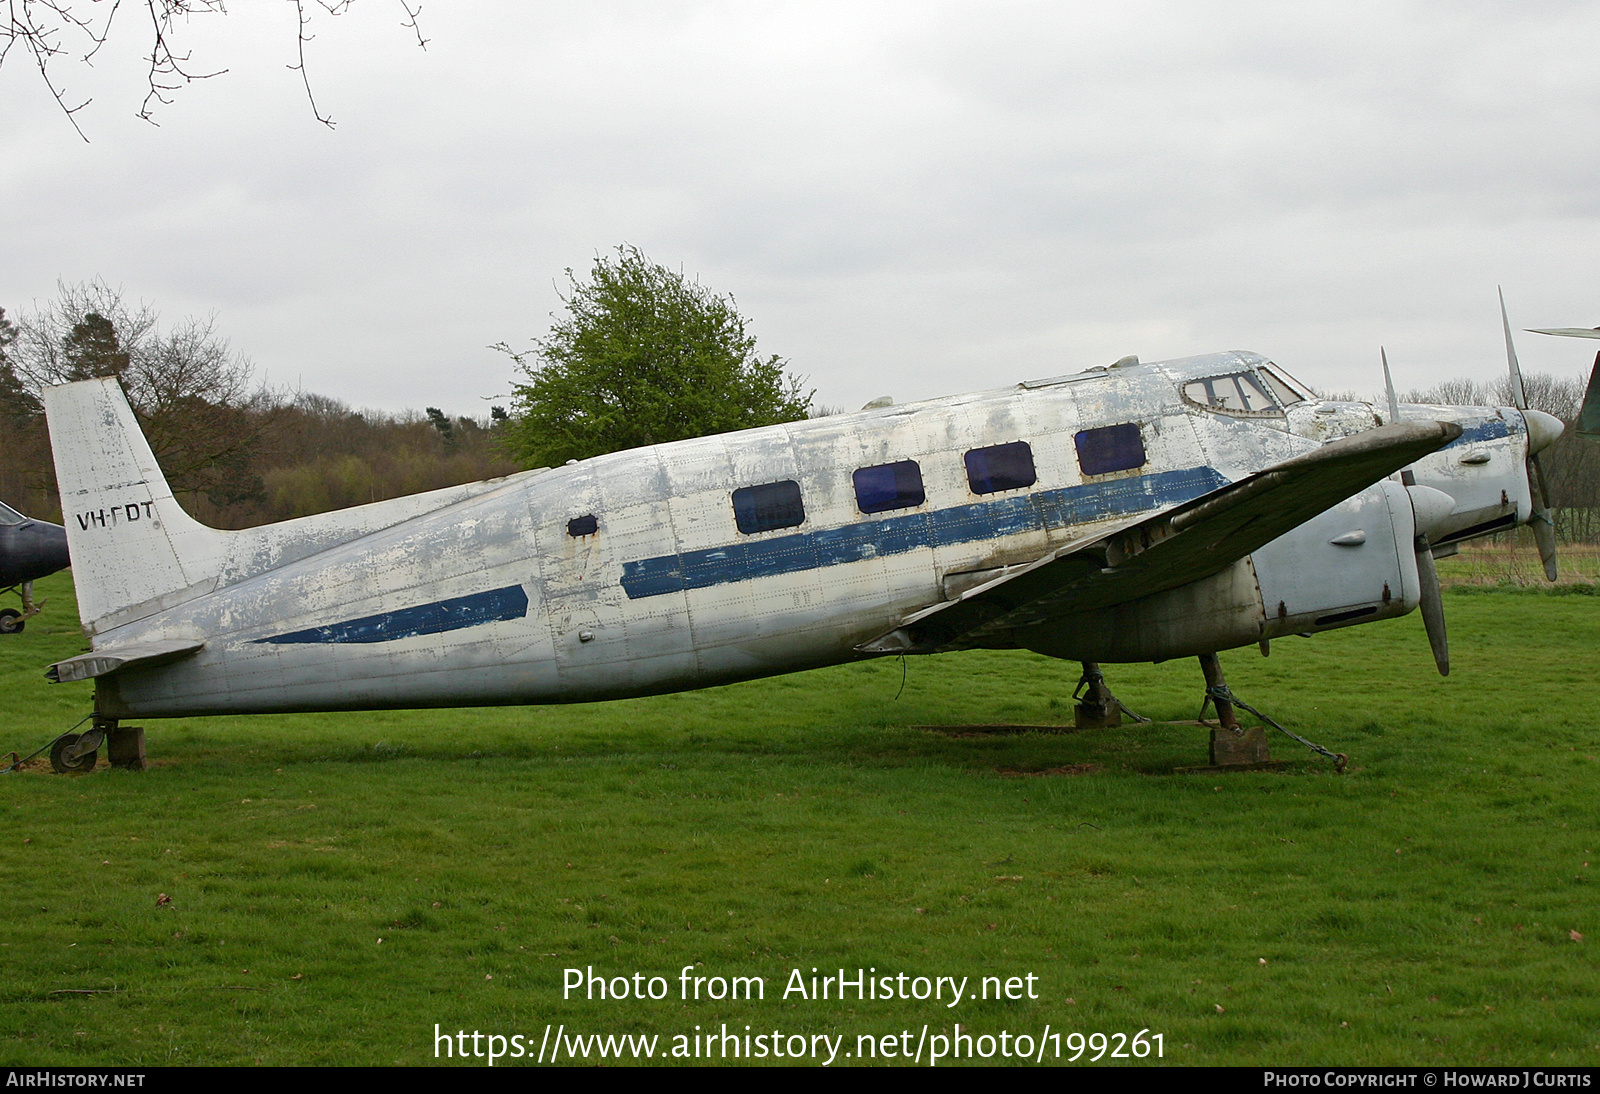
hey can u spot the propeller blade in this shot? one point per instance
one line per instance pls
(1544, 534)
(1519, 396)
(1568, 332)
(1406, 476)
(1544, 529)
(1388, 383)
(1432, 606)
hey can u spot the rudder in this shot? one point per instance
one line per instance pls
(132, 545)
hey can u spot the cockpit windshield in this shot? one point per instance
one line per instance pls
(9, 515)
(1250, 394)
(1287, 389)
(1238, 393)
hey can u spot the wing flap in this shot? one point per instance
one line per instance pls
(1172, 548)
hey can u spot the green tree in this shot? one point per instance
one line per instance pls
(643, 356)
(18, 408)
(92, 349)
(193, 395)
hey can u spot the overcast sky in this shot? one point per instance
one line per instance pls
(906, 199)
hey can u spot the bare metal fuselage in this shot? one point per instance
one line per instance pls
(492, 598)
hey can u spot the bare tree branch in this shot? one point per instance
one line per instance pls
(411, 23)
(300, 44)
(163, 63)
(39, 27)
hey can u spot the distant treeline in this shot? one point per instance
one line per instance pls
(1571, 465)
(307, 454)
(238, 454)
(235, 452)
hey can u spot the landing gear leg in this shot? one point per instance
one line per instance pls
(29, 608)
(1097, 708)
(1230, 744)
(75, 753)
(13, 621)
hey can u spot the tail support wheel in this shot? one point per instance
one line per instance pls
(76, 753)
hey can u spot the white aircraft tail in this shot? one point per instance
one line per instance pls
(131, 544)
(135, 551)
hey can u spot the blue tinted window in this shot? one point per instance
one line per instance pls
(771, 505)
(889, 486)
(1112, 448)
(1000, 467)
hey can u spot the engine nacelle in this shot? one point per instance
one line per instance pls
(1354, 563)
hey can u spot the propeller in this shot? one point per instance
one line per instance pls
(1428, 508)
(1544, 529)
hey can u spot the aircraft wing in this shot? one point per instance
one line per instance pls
(1172, 548)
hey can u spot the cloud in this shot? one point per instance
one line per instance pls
(914, 198)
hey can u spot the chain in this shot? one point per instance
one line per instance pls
(18, 763)
(1222, 694)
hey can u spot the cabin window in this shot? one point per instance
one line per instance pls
(583, 526)
(889, 486)
(1110, 448)
(1241, 393)
(1001, 467)
(768, 506)
(9, 515)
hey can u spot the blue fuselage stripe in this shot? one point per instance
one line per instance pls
(436, 618)
(1477, 431)
(985, 520)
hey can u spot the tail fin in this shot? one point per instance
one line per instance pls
(132, 546)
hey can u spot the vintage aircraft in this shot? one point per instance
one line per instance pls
(29, 549)
(1134, 512)
(1588, 424)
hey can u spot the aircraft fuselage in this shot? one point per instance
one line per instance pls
(785, 548)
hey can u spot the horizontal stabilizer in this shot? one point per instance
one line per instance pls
(1183, 544)
(115, 659)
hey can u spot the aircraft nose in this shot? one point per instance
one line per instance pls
(53, 546)
(1543, 429)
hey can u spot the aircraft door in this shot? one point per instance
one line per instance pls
(582, 598)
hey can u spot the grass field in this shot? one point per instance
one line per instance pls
(1432, 905)
(1516, 562)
